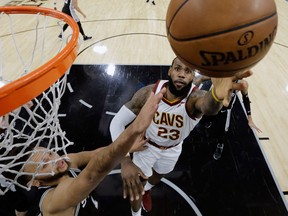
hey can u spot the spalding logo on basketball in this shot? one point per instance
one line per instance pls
(221, 38)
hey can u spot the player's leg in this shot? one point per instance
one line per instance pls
(85, 37)
(152, 181)
(166, 162)
(145, 160)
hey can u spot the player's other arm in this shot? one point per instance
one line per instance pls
(246, 102)
(75, 4)
(80, 159)
(102, 161)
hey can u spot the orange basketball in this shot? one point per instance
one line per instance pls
(221, 37)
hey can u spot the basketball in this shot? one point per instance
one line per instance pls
(221, 38)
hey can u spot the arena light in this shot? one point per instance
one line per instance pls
(100, 49)
(110, 69)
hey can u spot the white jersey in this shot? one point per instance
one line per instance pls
(171, 123)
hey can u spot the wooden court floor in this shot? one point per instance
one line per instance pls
(132, 32)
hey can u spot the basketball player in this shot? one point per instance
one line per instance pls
(64, 194)
(153, 2)
(69, 8)
(179, 111)
(224, 115)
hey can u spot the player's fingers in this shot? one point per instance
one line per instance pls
(130, 191)
(144, 147)
(134, 195)
(139, 182)
(238, 86)
(155, 99)
(246, 74)
(138, 189)
(142, 176)
(124, 190)
(257, 129)
(226, 102)
(227, 98)
(163, 91)
(143, 179)
(146, 139)
(242, 75)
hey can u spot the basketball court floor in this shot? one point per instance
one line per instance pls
(129, 50)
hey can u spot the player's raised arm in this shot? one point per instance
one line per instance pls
(209, 103)
(103, 160)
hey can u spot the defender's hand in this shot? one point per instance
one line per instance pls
(132, 178)
(139, 144)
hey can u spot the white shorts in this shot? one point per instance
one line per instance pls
(162, 161)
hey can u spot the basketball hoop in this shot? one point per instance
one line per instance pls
(31, 85)
(29, 103)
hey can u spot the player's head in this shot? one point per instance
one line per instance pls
(47, 165)
(44, 165)
(180, 78)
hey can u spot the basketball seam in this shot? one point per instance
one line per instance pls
(225, 31)
(176, 12)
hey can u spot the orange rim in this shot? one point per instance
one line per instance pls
(33, 84)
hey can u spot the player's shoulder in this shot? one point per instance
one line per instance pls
(140, 97)
(151, 86)
(146, 90)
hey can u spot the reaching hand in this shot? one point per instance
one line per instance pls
(223, 87)
(131, 177)
(252, 125)
(139, 144)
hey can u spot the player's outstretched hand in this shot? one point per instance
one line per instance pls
(223, 87)
(139, 144)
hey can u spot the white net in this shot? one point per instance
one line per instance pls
(36, 122)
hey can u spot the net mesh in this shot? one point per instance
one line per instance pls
(35, 123)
